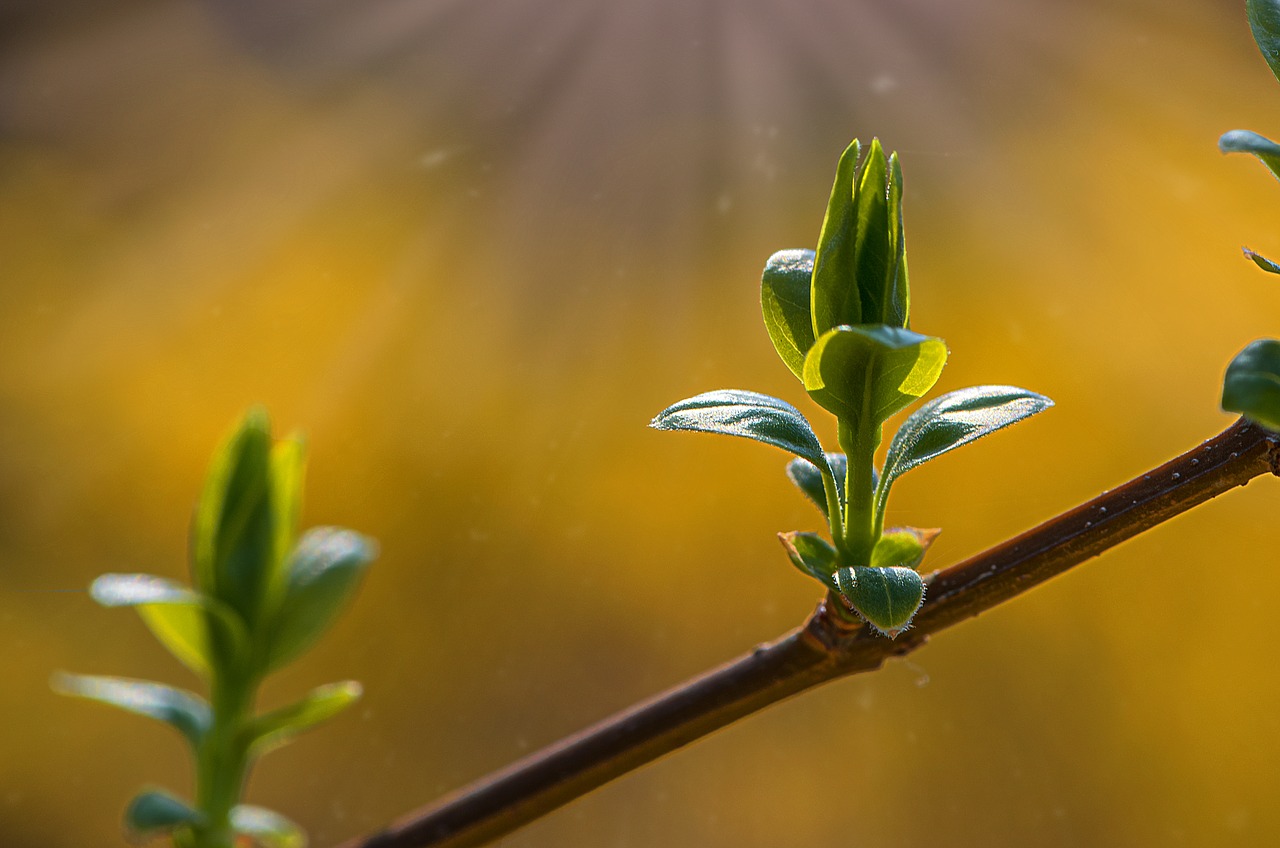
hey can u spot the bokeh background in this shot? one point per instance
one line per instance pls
(470, 248)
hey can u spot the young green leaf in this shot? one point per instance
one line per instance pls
(323, 571)
(1264, 20)
(288, 462)
(812, 554)
(196, 629)
(1244, 141)
(834, 297)
(1252, 383)
(860, 274)
(808, 478)
(266, 828)
(278, 727)
(866, 374)
(186, 712)
(234, 534)
(156, 812)
(747, 414)
(887, 598)
(902, 546)
(784, 299)
(1261, 261)
(950, 421)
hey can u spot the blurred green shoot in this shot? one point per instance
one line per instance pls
(838, 318)
(261, 596)
(1251, 385)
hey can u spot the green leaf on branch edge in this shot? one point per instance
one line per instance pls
(1264, 21)
(1251, 386)
(1261, 261)
(750, 415)
(887, 598)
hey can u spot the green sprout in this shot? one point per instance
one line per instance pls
(838, 318)
(261, 597)
(1251, 385)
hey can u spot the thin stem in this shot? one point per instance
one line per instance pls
(835, 514)
(859, 444)
(223, 762)
(827, 647)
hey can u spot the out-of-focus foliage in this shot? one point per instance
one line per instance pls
(261, 597)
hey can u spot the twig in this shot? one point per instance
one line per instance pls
(830, 645)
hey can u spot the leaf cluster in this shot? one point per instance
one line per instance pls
(260, 597)
(838, 317)
(1251, 385)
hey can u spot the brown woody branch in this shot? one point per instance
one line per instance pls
(830, 645)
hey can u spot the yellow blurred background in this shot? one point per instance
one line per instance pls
(470, 248)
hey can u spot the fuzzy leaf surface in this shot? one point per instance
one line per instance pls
(749, 415)
(887, 598)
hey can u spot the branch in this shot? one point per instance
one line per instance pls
(830, 645)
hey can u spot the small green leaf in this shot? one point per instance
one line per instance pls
(784, 299)
(196, 629)
(834, 298)
(287, 475)
(186, 712)
(234, 534)
(1264, 20)
(808, 478)
(1261, 261)
(812, 554)
(887, 598)
(1252, 383)
(266, 828)
(747, 414)
(951, 421)
(902, 546)
(866, 374)
(1244, 141)
(322, 573)
(276, 728)
(156, 812)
